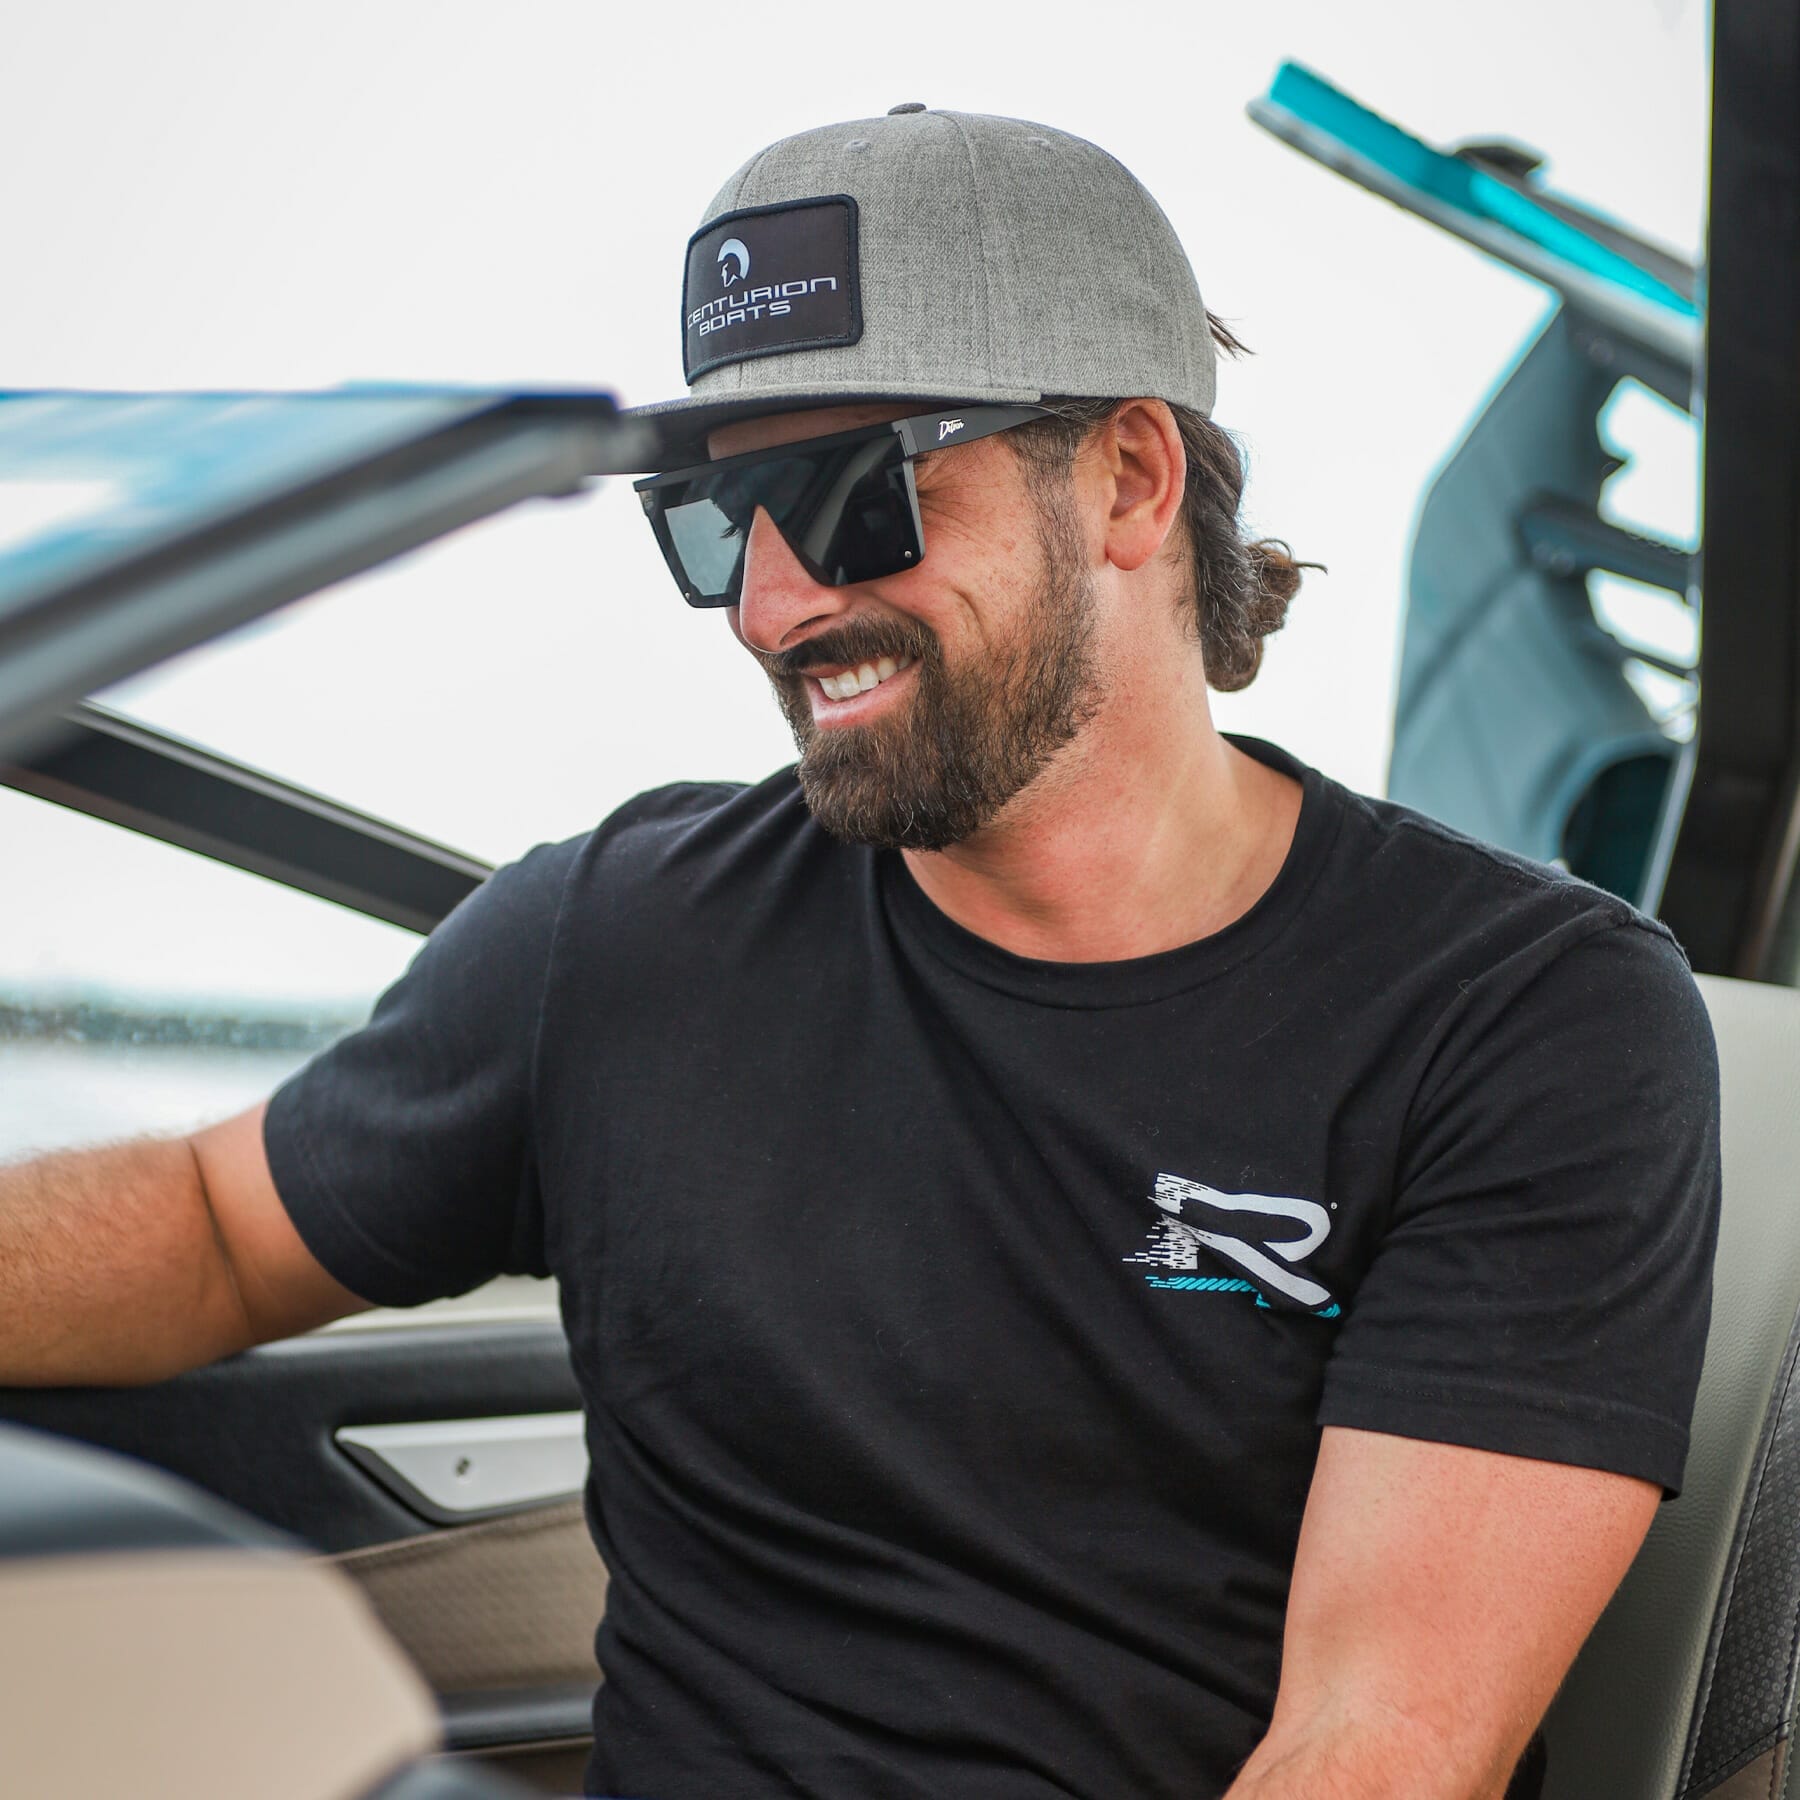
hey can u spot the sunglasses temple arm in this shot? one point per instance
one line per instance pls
(961, 425)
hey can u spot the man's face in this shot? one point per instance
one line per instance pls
(921, 703)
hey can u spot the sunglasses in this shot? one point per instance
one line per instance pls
(845, 504)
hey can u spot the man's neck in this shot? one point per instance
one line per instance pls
(1109, 856)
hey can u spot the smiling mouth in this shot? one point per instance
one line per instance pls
(859, 680)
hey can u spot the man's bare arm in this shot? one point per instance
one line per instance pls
(1439, 1597)
(133, 1262)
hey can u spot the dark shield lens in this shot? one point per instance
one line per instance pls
(709, 523)
(846, 513)
(709, 545)
(858, 521)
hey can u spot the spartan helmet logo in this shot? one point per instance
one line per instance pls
(733, 250)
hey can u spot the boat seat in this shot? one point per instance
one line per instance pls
(158, 1643)
(1686, 1688)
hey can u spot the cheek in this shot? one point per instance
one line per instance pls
(988, 578)
(975, 580)
(984, 518)
(981, 530)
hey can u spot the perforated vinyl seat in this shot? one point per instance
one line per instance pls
(1686, 1690)
(158, 1643)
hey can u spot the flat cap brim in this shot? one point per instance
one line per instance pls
(671, 434)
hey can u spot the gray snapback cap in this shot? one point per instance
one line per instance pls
(929, 256)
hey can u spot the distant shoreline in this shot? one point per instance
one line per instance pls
(89, 1022)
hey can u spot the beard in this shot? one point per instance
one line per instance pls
(943, 764)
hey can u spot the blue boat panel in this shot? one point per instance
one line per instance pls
(86, 478)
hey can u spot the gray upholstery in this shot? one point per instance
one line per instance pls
(1744, 1713)
(1620, 1727)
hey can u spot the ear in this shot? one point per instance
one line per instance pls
(1145, 469)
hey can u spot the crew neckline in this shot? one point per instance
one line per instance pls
(1136, 980)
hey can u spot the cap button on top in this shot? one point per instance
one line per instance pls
(907, 106)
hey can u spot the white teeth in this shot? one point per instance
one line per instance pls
(859, 680)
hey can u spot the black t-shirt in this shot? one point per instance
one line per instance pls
(957, 1329)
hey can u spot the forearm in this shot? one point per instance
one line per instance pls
(1370, 1757)
(1439, 1596)
(110, 1269)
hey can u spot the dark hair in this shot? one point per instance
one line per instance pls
(1241, 587)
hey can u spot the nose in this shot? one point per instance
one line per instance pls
(779, 601)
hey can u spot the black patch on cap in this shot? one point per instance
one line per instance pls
(770, 279)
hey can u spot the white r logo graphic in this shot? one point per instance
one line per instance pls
(1175, 1191)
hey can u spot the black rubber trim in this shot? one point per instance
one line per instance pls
(1732, 863)
(60, 1499)
(1746, 1700)
(496, 1718)
(257, 1429)
(147, 781)
(79, 634)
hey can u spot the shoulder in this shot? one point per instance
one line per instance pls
(1443, 894)
(685, 819)
(702, 815)
(710, 860)
(1437, 867)
(1450, 938)
(691, 838)
(1377, 852)
(1534, 963)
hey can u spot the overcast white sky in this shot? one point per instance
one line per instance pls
(205, 195)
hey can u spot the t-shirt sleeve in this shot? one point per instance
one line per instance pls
(1545, 1283)
(404, 1152)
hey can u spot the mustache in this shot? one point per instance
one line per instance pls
(863, 640)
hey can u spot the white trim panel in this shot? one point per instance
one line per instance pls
(455, 1470)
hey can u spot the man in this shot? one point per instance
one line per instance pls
(1099, 1262)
